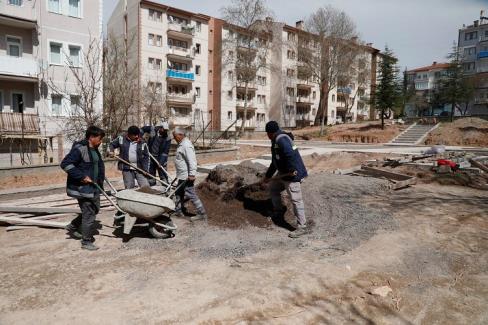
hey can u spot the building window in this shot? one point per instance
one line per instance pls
(198, 26)
(54, 6)
(15, 2)
(155, 15)
(333, 98)
(56, 106)
(74, 8)
(230, 75)
(150, 40)
(229, 116)
(229, 94)
(290, 91)
(263, 98)
(314, 95)
(17, 105)
(14, 46)
(197, 70)
(197, 48)
(55, 53)
(291, 36)
(74, 56)
(159, 40)
(197, 91)
(74, 103)
(290, 72)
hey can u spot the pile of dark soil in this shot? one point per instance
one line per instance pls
(234, 198)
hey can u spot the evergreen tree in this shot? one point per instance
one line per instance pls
(389, 88)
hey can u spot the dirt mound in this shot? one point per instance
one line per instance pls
(470, 131)
(234, 198)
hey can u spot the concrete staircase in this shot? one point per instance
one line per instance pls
(415, 134)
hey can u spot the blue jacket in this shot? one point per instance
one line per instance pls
(78, 164)
(159, 148)
(123, 143)
(286, 158)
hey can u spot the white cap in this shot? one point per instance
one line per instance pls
(180, 130)
(164, 125)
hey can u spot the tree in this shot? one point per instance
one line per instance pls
(154, 103)
(120, 84)
(331, 34)
(388, 90)
(457, 88)
(82, 87)
(246, 47)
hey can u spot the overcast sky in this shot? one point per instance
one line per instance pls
(418, 31)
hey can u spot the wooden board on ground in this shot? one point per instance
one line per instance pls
(397, 180)
(30, 222)
(37, 210)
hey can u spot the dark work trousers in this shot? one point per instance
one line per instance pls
(152, 170)
(86, 220)
(187, 192)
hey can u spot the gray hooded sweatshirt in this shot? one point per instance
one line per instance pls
(185, 160)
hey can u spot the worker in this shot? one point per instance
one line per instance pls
(134, 150)
(85, 168)
(186, 170)
(286, 160)
(159, 144)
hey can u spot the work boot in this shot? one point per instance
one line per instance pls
(300, 231)
(89, 246)
(73, 231)
(198, 217)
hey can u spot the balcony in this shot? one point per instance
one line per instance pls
(248, 124)
(180, 75)
(180, 53)
(180, 98)
(250, 86)
(304, 84)
(304, 100)
(19, 68)
(11, 123)
(483, 54)
(180, 31)
(344, 90)
(18, 16)
(250, 106)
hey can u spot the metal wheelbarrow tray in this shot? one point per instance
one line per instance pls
(145, 206)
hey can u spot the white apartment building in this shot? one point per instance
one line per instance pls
(172, 52)
(38, 40)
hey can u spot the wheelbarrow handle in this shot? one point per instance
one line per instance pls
(108, 197)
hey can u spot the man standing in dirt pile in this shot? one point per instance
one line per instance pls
(133, 149)
(159, 144)
(85, 168)
(186, 170)
(291, 171)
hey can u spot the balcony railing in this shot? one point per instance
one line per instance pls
(304, 100)
(177, 74)
(181, 51)
(483, 54)
(11, 123)
(185, 29)
(344, 90)
(19, 16)
(22, 67)
(178, 97)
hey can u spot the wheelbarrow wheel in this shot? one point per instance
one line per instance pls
(160, 232)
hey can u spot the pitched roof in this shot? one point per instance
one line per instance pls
(434, 66)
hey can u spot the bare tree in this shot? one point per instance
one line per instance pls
(247, 47)
(326, 51)
(120, 83)
(82, 86)
(154, 103)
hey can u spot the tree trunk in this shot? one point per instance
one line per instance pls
(382, 118)
(325, 106)
(241, 129)
(452, 111)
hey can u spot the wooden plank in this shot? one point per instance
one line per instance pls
(42, 223)
(478, 165)
(390, 175)
(37, 210)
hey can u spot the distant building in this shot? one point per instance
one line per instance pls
(473, 43)
(422, 81)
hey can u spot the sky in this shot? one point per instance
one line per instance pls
(418, 31)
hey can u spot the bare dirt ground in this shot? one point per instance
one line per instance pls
(470, 131)
(429, 243)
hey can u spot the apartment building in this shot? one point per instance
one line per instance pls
(473, 43)
(423, 80)
(190, 56)
(172, 53)
(39, 39)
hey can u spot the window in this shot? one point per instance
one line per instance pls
(150, 40)
(197, 48)
(470, 66)
(470, 51)
(74, 56)
(74, 103)
(314, 95)
(159, 40)
(291, 36)
(198, 26)
(17, 103)
(229, 116)
(231, 53)
(54, 6)
(56, 101)
(197, 69)
(263, 98)
(230, 75)
(14, 46)
(290, 55)
(229, 94)
(155, 15)
(154, 64)
(15, 2)
(74, 8)
(55, 53)
(290, 91)
(197, 91)
(333, 98)
(290, 72)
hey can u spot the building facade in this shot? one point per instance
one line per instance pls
(189, 56)
(473, 45)
(39, 40)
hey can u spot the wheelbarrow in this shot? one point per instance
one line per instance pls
(151, 208)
